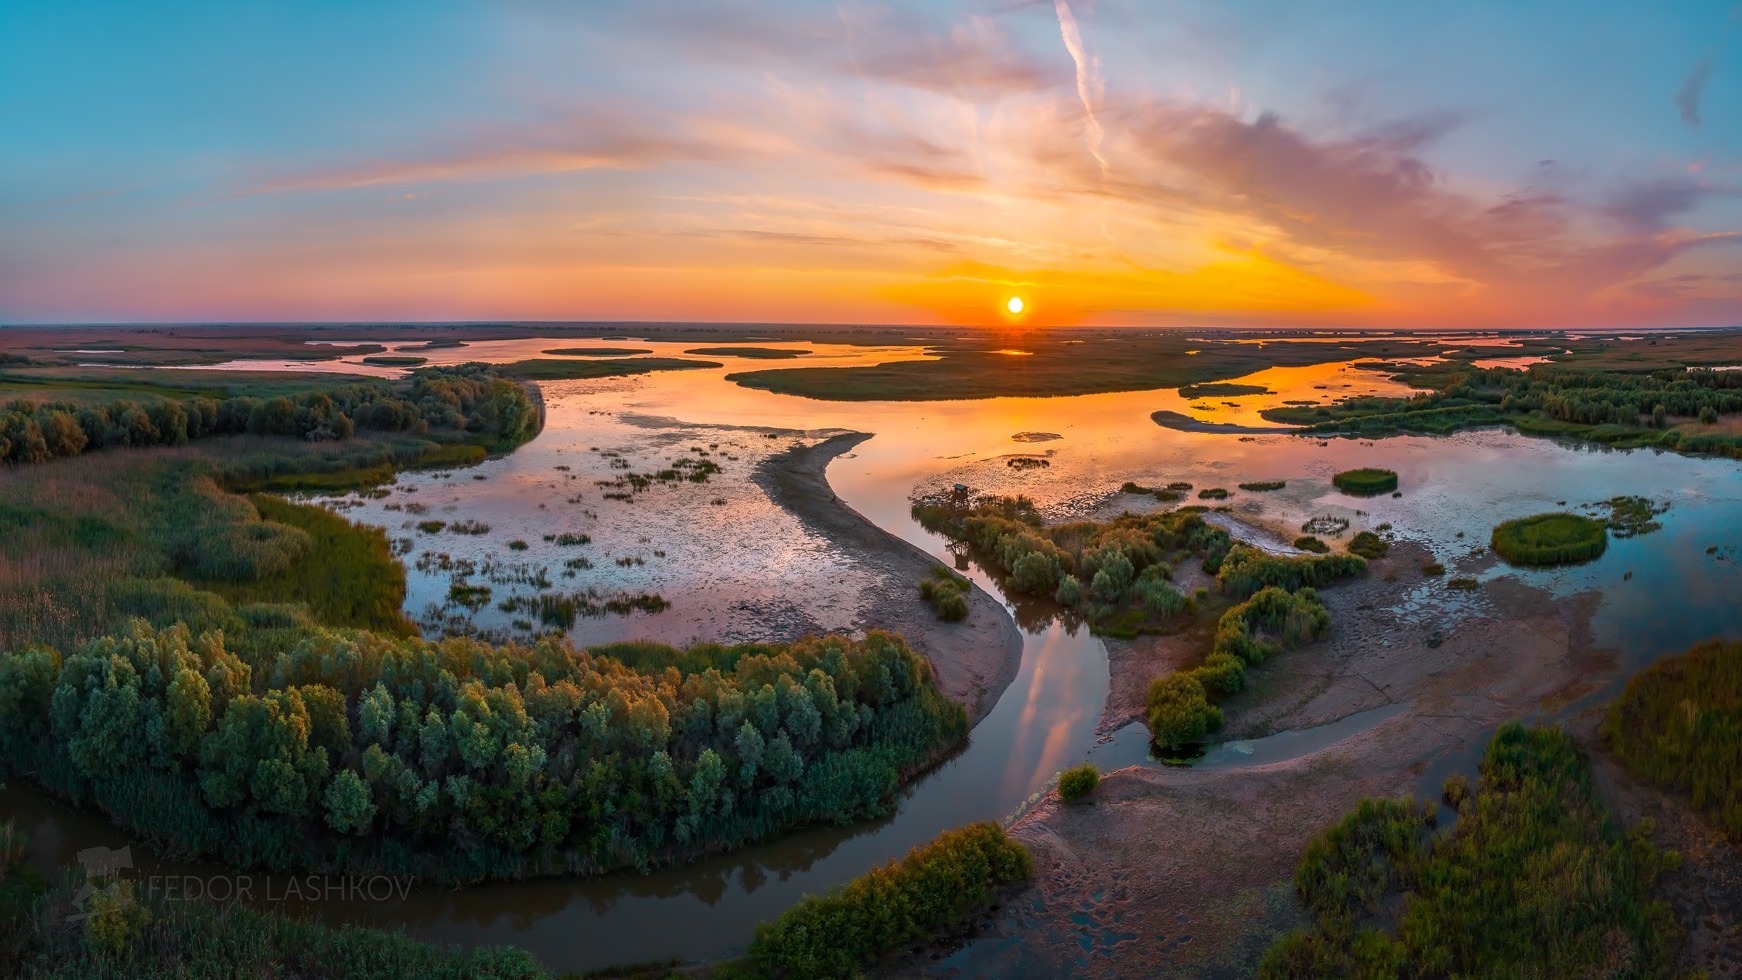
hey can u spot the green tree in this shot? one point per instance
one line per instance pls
(349, 807)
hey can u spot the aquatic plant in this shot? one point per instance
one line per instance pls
(1366, 482)
(1213, 493)
(1549, 539)
(1263, 486)
(1630, 516)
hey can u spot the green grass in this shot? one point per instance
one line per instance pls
(1264, 486)
(1678, 725)
(1535, 882)
(1367, 482)
(1368, 545)
(933, 891)
(349, 577)
(539, 369)
(1549, 539)
(946, 593)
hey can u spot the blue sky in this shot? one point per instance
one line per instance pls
(1484, 164)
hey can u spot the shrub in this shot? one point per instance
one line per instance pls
(946, 593)
(1307, 542)
(1369, 545)
(932, 890)
(1678, 725)
(1549, 539)
(1264, 485)
(1078, 782)
(1367, 482)
(1433, 568)
(1070, 591)
(1213, 493)
(1180, 711)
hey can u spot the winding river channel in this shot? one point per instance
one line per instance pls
(731, 562)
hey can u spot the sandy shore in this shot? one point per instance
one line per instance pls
(975, 659)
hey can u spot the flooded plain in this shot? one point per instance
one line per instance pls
(561, 516)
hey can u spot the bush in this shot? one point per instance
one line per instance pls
(931, 891)
(1368, 482)
(1180, 711)
(946, 593)
(1078, 782)
(1534, 881)
(1549, 539)
(1213, 493)
(1307, 542)
(1369, 545)
(1263, 486)
(1678, 725)
(1070, 591)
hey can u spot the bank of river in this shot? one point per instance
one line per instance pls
(752, 568)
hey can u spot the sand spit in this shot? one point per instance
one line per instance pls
(975, 659)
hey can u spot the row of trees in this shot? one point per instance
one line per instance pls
(304, 747)
(470, 398)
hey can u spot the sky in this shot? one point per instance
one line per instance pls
(1518, 164)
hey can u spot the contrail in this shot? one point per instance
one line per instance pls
(1088, 77)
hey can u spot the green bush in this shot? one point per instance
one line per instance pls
(946, 593)
(1534, 881)
(1678, 725)
(1307, 542)
(1078, 782)
(1367, 482)
(1213, 493)
(1549, 539)
(1369, 545)
(933, 890)
(1180, 711)
(1264, 486)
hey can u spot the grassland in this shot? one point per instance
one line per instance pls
(1678, 725)
(1549, 539)
(1534, 881)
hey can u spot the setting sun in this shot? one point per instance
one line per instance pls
(1014, 305)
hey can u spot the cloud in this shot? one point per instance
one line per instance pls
(1647, 205)
(1090, 88)
(1687, 98)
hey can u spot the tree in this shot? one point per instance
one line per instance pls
(1180, 711)
(349, 808)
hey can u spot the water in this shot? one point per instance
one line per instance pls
(745, 568)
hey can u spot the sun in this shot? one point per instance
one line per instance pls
(1014, 305)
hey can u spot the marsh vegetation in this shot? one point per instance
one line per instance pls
(1549, 539)
(1678, 725)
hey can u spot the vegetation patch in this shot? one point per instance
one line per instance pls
(1678, 725)
(1494, 896)
(757, 353)
(1078, 782)
(946, 593)
(539, 369)
(1222, 389)
(1630, 516)
(1366, 482)
(597, 351)
(1166, 495)
(1369, 545)
(395, 360)
(1549, 539)
(1264, 486)
(1307, 542)
(936, 889)
(1326, 524)
(1213, 493)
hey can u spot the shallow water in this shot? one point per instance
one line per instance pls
(747, 569)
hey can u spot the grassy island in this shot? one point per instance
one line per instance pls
(753, 353)
(1367, 482)
(1550, 539)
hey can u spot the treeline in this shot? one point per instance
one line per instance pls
(307, 748)
(1534, 881)
(1678, 725)
(470, 398)
(1181, 708)
(1631, 407)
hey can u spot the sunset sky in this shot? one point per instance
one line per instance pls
(1198, 162)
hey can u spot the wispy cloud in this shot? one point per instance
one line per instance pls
(1687, 98)
(1090, 89)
